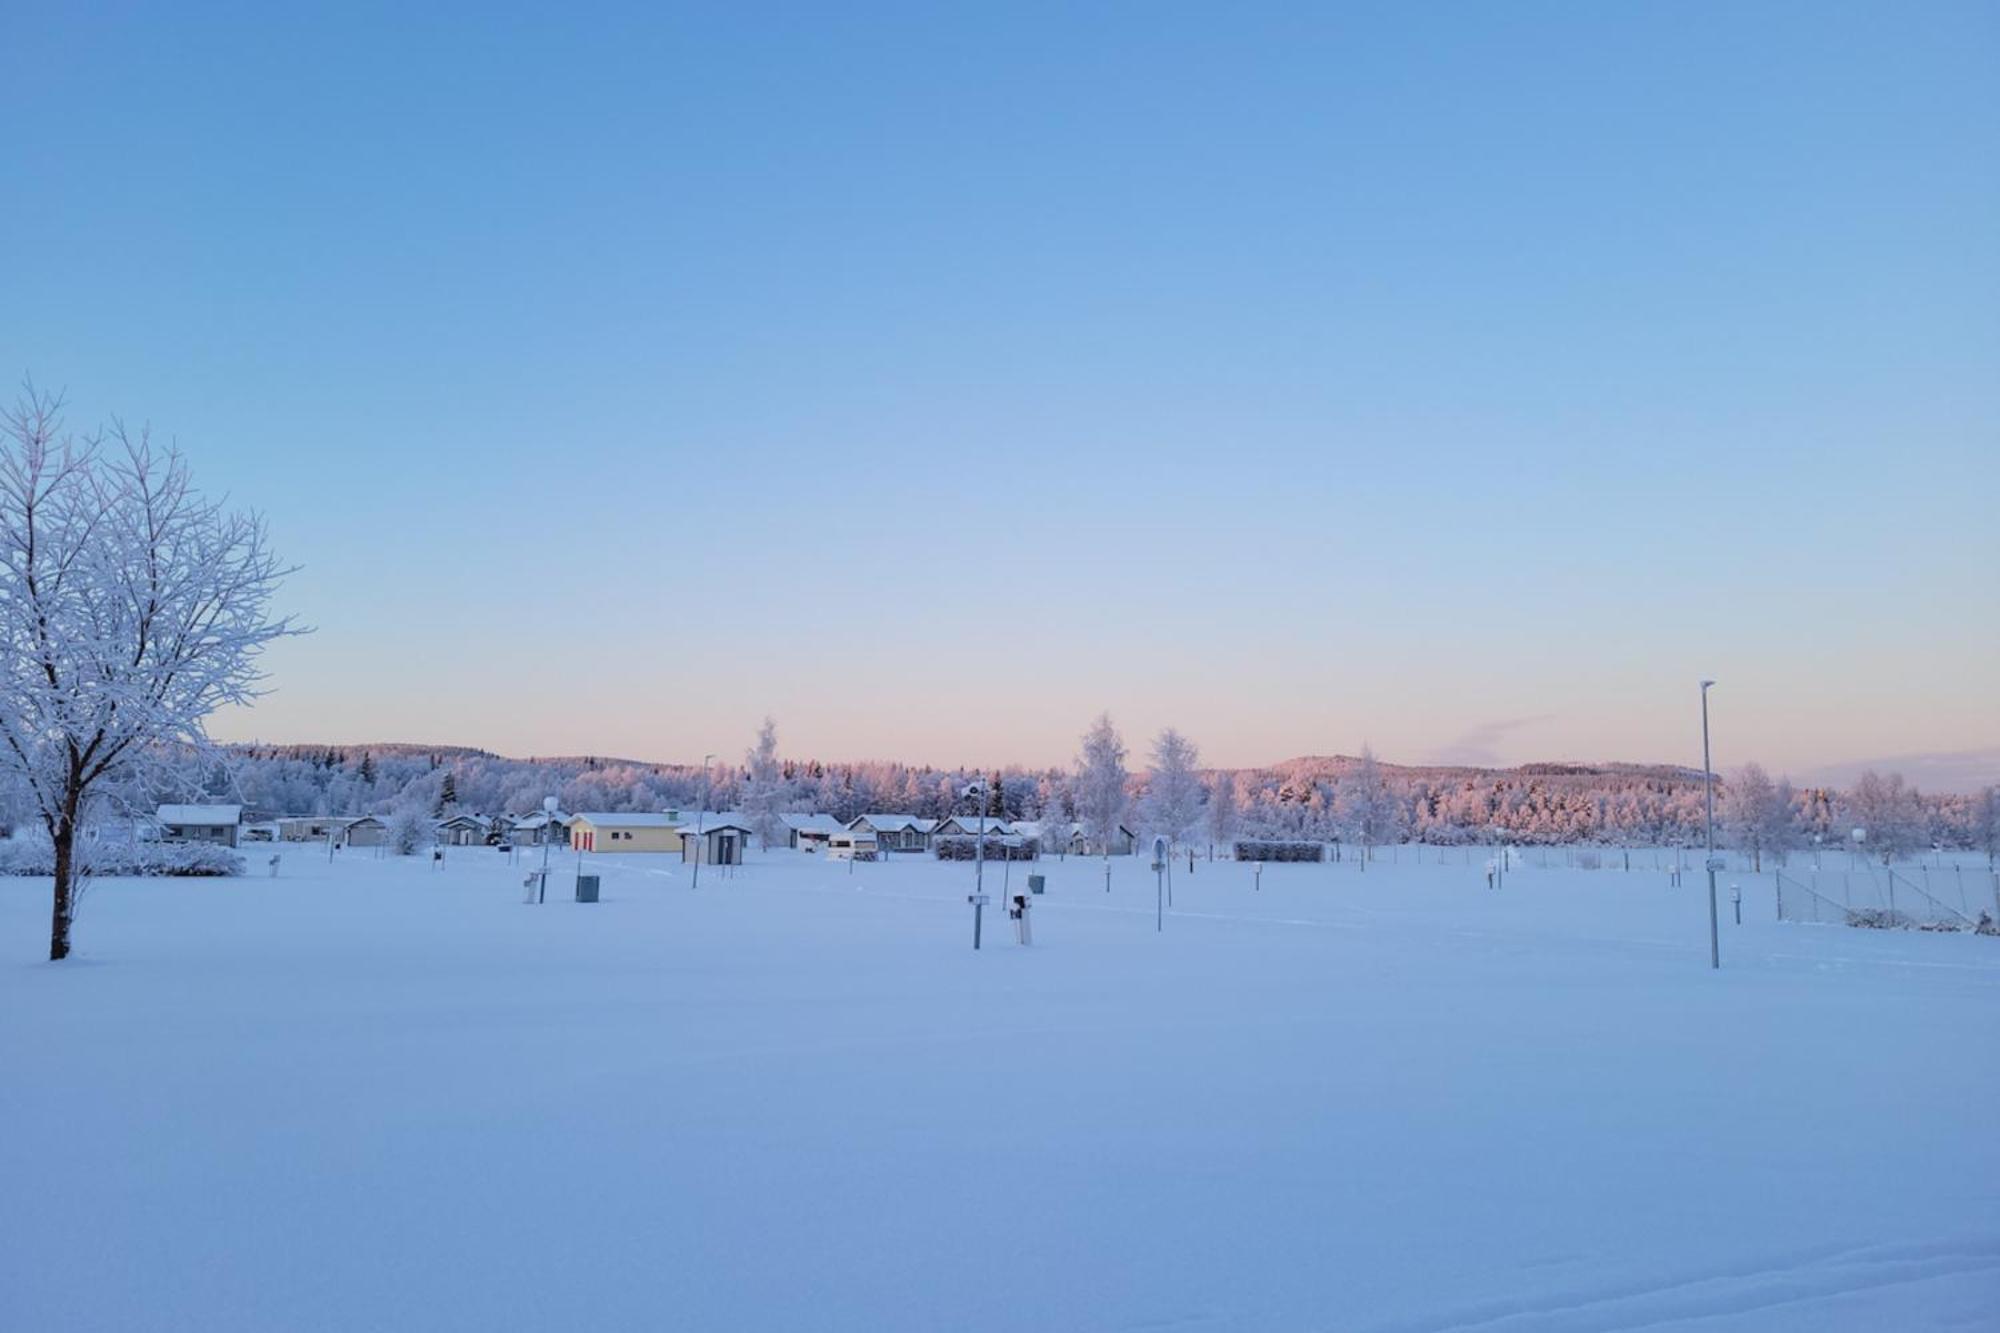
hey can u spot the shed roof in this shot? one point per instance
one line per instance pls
(624, 819)
(200, 814)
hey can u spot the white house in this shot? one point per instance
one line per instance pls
(895, 833)
(464, 830)
(366, 831)
(1054, 842)
(533, 830)
(200, 823)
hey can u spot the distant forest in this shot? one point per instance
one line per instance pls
(1301, 798)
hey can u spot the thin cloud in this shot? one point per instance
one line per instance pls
(1480, 746)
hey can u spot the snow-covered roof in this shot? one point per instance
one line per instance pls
(970, 823)
(200, 814)
(882, 823)
(625, 819)
(537, 819)
(715, 825)
(813, 823)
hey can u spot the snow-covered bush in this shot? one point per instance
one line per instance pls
(123, 859)
(1878, 918)
(410, 830)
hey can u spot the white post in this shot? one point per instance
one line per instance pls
(1708, 800)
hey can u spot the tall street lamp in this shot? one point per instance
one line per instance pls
(976, 792)
(1708, 799)
(700, 815)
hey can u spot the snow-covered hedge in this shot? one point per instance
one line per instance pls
(35, 856)
(954, 847)
(1273, 849)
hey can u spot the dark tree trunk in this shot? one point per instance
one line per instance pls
(65, 895)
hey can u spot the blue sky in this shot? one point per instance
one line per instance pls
(1464, 379)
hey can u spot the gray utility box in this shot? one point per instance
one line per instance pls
(586, 888)
(1037, 883)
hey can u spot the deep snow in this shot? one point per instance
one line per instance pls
(374, 1096)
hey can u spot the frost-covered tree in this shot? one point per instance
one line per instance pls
(409, 829)
(1783, 834)
(1365, 807)
(447, 793)
(1052, 812)
(131, 608)
(1099, 791)
(1985, 824)
(1222, 817)
(764, 787)
(1756, 817)
(1172, 805)
(1888, 811)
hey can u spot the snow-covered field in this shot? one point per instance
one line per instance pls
(376, 1096)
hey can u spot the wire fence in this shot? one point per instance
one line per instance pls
(1952, 897)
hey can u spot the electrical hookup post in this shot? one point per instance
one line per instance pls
(978, 901)
(1023, 931)
(1159, 884)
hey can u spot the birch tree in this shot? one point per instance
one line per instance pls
(1888, 812)
(1985, 831)
(1222, 816)
(1365, 806)
(763, 787)
(1173, 789)
(1750, 814)
(131, 608)
(1100, 784)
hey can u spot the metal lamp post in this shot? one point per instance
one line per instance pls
(976, 792)
(1708, 800)
(548, 823)
(700, 815)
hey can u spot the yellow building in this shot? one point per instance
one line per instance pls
(601, 832)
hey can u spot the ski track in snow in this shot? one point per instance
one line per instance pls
(1820, 1274)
